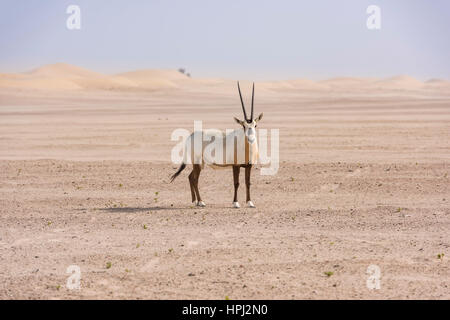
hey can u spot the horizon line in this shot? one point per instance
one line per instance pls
(331, 77)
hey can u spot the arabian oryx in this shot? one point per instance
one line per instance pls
(237, 148)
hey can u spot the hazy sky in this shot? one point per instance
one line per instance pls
(245, 39)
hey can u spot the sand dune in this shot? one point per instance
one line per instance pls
(144, 75)
(291, 85)
(438, 84)
(152, 78)
(37, 81)
(399, 82)
(61, 76)
(63, 70)
(347, 81)
(437, 81)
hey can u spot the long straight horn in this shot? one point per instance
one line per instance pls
(253, 96)
(242, 102)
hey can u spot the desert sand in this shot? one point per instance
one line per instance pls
(85, 167)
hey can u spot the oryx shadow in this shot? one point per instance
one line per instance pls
(136, 209)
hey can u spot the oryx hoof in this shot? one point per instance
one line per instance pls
(236, 205)
(250, 204)
(201, 204)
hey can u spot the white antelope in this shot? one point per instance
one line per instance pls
(239, 150)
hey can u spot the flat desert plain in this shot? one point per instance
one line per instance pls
(363, 184)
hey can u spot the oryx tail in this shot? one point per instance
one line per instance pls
(176, 174)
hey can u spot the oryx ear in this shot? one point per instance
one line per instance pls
(259, 117)
(239, 121)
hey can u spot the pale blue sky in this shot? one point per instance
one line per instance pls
(245, 39)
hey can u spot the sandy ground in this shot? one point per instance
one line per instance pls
(363, 180)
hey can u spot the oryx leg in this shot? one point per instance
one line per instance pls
(236, 170)
(248, 170)
(196, 170)
(191, 184)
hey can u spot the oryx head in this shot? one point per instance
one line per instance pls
(249, 124)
